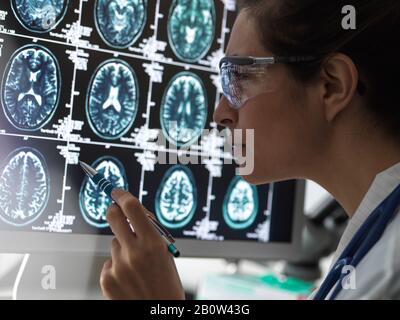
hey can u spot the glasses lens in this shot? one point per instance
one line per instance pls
(241, 83)
(231, 85)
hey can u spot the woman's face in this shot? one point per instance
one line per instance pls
(287, 127)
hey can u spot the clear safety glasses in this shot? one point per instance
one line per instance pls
(243, 78)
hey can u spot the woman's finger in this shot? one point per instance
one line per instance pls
(115, 250)
(135, 212)
(120, 226)
(106, 278)
(108, 283)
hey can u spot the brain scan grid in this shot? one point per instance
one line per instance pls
(100, 81)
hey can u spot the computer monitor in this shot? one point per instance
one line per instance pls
(101, 81)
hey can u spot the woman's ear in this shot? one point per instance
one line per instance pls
(340, 79)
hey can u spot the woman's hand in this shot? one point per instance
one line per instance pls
(140, 266)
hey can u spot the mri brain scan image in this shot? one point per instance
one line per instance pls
(31, 88)
(39, 15)
(112, 101)
(191, 28)
(176, 198)
(183, 111)
(120, 22)
(240, 204)
(92, 201)
(24, 187)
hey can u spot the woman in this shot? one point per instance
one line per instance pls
(327, 111)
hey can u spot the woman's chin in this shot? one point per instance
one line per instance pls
(255, 179)
(258, 178)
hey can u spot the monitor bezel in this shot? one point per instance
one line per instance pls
(99, 245)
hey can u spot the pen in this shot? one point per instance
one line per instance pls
(107, 187)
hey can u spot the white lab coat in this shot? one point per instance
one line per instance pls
(378, 275)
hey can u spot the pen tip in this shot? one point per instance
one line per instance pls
(88, 169)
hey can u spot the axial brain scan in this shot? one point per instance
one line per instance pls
(176, 198)
(39, 15)
(120, 22)
(240, 205)
(112, 101)
(24, 187)
(183, 111)
(191, 28)
(31, 88)
(93, 202)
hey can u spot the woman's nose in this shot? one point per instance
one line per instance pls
(225, 115)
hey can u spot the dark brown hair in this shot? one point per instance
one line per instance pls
(314, 28)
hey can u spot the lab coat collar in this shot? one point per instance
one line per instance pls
(383, 184)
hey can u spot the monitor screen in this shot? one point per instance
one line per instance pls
(125, 86)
